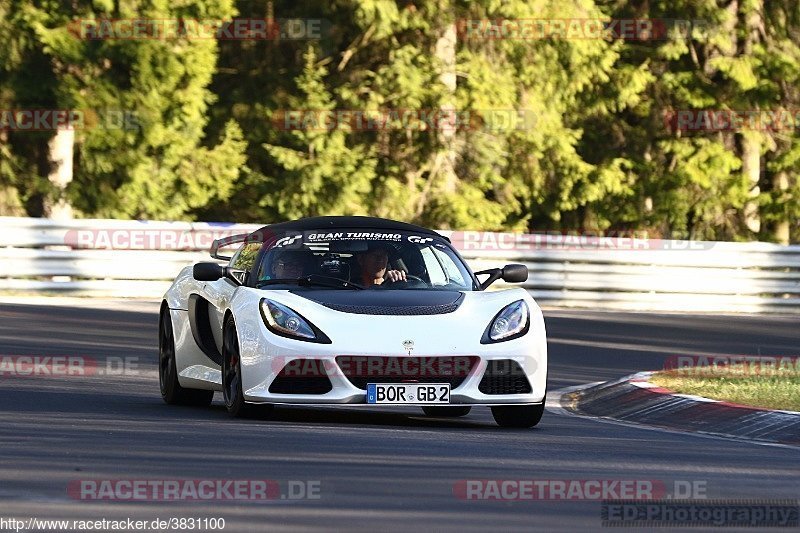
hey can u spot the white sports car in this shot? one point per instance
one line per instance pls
(352, 311)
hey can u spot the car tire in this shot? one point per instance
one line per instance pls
(171, 390)
(447, 412)
(232, 370)
(518, 416)
(232, 377)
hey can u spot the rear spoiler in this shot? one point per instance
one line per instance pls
(224, 242)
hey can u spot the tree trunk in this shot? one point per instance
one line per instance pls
(780, 230)
(751, 166)
(446, 54)
(10, 206)
(751, 142)
(442, 178)
(60, 154)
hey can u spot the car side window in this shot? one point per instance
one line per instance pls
(451, 272)
(434, 267)
(245, 257)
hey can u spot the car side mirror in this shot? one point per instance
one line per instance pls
(208, 271)
(512, 273)
(515, 273)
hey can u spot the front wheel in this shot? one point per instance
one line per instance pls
(232, 376)
(447, 412)
(232, 370)
(171, 390)
(518, 416)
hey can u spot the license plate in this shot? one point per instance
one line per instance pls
(408, 393)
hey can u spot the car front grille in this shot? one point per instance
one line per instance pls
(361, 370)
(504, 376)
(296, 379)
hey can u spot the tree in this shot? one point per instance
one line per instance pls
(324, 174)
(778, 56)
(150, 164)
(548, 132)
(740, 56)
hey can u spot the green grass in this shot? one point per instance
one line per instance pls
(778, 389)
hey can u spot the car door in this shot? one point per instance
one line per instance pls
(219, 293)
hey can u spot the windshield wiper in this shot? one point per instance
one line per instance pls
(314, 280)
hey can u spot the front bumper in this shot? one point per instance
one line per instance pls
(457, 335)
(344, 389)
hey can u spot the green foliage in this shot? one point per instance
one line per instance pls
(591, 147)
(142, 153)
(323, 174)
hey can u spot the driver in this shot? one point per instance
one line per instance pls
(372, 265)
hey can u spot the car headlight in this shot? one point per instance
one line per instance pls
(286, 322)
(510, 323)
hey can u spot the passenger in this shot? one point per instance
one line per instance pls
(288, 264)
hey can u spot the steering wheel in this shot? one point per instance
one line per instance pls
(409, 277)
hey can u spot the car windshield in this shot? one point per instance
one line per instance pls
(362, 259)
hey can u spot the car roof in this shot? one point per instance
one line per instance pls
(334, 222)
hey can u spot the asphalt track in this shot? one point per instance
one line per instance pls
(378, 469)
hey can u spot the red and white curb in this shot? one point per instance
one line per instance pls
(635, 401)
(642, 379)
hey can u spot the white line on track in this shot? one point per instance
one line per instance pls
(118, 304)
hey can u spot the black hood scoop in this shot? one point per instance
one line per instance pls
(386, 302)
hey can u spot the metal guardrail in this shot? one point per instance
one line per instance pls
(139, 259)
